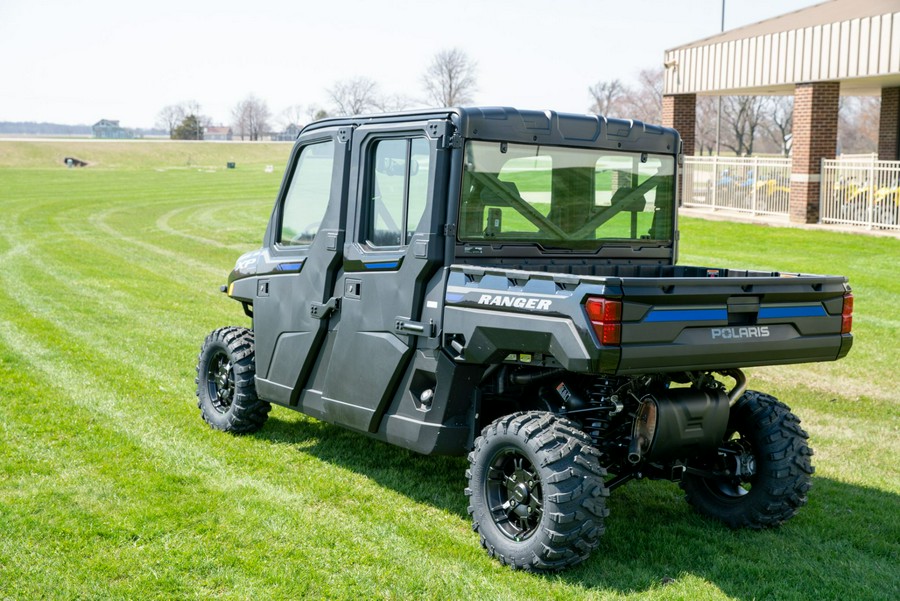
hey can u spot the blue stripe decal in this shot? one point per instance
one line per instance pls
(453, 297)
(385, 265)
(783, 312)
(658, 315)
(289, 266)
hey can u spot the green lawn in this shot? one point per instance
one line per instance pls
(111, 486)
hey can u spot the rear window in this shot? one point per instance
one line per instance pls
(563, 197)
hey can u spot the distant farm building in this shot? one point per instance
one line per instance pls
(219, 132)
(288, 135)
(111, 130)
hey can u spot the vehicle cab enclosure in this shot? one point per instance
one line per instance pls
(504, 283)
(424, 273)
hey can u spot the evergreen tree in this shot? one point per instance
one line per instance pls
(190, 128)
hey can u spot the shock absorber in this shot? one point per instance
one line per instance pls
(595, 408)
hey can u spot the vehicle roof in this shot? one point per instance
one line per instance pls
(532, 127)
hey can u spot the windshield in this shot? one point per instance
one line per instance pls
(566, 198)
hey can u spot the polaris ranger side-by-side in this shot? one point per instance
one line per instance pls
(503, 283)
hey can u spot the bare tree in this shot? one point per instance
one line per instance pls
(169, 118)
(780, 123)
(644, 102)
(869, 120)
(295, 114)
(741, 116)
(173, 115)
(392, 102)
(354, 96)
(858, 118)
(450, 79)
(315, 112)
(251, 117)
(706, 124)
(607, 97)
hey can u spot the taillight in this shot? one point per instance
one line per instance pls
(847, 314)
(605, 316)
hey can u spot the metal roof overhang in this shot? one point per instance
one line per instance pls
(854, 42)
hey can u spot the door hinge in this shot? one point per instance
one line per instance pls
(323, 310)
(445, 133)
(449, 229)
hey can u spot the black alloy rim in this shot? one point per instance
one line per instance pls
(514, 494)
(220, 381)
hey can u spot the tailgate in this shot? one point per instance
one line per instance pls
(673, 324)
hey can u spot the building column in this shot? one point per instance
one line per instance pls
(815, 138)
(680, 112)
(889, 125)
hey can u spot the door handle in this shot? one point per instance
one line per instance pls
(408, 327)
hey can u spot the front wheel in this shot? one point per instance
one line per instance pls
(537, 494)
(760, 475)
(226, 390)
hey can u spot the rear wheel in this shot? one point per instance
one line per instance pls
(537, 494)
(760, 475)
(226, 391)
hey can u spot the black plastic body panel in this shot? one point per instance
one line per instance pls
(394, 342)
(736, 319)
(680, 322)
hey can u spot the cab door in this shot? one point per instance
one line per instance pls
(393, 247)
(300, 263)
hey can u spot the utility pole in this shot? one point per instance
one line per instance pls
(719, 97)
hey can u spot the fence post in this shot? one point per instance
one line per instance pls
(753, 183)
(715, 180)
(870, 192)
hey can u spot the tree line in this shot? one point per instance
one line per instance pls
(449, 80)
(746, 124)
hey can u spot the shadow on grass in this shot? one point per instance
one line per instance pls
(842, 545)
(438, 481)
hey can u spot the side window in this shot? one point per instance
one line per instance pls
(308, 194)
(418, 184)
(398, 190)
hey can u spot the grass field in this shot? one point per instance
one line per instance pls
(111, 486)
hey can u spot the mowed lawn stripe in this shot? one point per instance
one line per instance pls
(137, 427)
(76, 353)
(112, 487)
(869, 262)
(143, 496)
(200, 214)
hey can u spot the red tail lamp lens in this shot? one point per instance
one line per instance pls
(606, 318)
(847, 314)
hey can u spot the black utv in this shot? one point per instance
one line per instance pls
(503, 283)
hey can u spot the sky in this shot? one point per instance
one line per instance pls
(79, 62)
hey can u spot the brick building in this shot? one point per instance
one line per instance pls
(817, 54)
